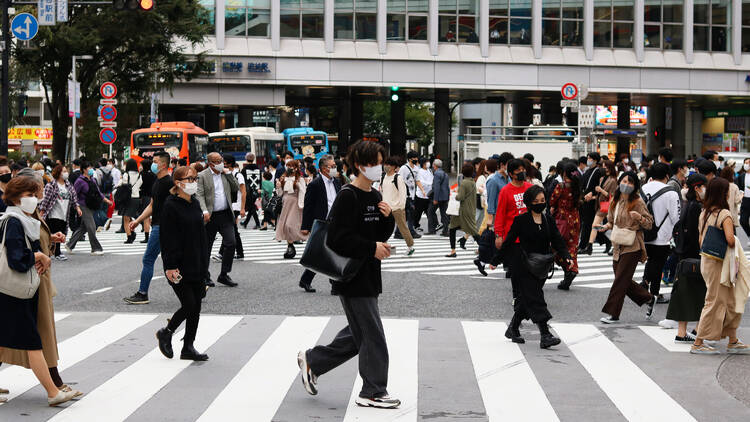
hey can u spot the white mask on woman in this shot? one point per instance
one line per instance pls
(190, 188)
(65, 175)
(28, 204)
(746, 167)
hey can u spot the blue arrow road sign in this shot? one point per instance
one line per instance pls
(24, 26)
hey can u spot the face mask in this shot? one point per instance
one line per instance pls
(746, 167)
(219, 167)
(642, 175)
(190, 188)
(28, 204)
(65, 176)
(289, 170)
(521, 176)
(109, 166)
(287, 160)
(91, 172)
(701, 194)
(5, 178)
(627, 189)
(686, 172)
(39, 173)
(154, 168)
(538, 208)
(625, 160)
(590, 163)
(333, 173)
(373, 173)
(414, 161)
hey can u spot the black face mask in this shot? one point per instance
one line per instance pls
(414, 161)
(521, 176)
(538, 208)
(5, 178)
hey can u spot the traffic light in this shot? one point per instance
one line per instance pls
(394, 93)
(23, 106)
(133, 5)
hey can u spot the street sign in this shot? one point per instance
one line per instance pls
(109, 113)
(46, 12)
(107, 124)
(569, 91)
(62, 10)
(636, 156)
(24, 26)
(108, 90)
(107, 102)
(568, 103)
(74, 99)
(108, 136)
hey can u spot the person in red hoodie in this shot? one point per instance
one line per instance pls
(510, 200)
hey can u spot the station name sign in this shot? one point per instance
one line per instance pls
(252, 67)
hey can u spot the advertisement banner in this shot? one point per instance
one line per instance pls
(606, 116)
(30, 133)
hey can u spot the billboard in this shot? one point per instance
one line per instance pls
(606, 116)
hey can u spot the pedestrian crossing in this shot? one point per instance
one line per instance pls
(634, 372)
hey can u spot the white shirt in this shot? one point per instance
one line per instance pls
(116, 176)
(134, 181)
(330, 190)
(425, 177)
(747, 185)
(237, 206)
(220, 199)
(668, 204)
(408, 174)
(60, 207)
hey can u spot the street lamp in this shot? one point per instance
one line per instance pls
(75, 94)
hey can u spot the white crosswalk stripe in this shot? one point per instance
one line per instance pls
(505, 377)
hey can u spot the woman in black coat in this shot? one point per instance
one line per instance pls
(531, 232)
(184, 253)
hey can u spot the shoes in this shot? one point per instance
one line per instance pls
(108, 223)
(226, 280)
(586, 250)
(704, 349)
(4, 391)
(668, 324)
(137, 299)
(439, 227)
(297, 242)
(165, 342)
(209, 283)
(189, 353)
(611, 252)
(130, 239)
(547, 340)
(513, 333)
(66, 389)
(451, 255)
(264, 228)
(410, 251)
(480, 267)
(416, 235)
(608, 248)
(385, 402)
(100, 228)
(661, 299)
(567, 280)
(308, 288)
(216, 258)
(61, 257)
(60, 398)
(309, 380)
(239, 257)
(97, 253)
(650, 307)
(738, 348)
(688, 338)
(290, 252)
(609, 320)
(462, 243)
(146, 239)
(444, 234)
(67, 249)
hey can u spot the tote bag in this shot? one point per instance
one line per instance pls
(13, 283)
(453, 205)
(621, 236)
(714, 244)
(321, 259)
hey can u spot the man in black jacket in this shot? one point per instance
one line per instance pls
(318, 201)
(589, 182)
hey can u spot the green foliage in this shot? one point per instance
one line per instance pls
(420, 120)
(139, 52)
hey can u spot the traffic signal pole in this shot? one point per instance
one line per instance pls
(5, 82)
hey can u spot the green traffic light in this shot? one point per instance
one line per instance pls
(394, 88)
(394, 97)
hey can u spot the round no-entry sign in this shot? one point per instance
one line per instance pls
(569, 91)
(107, 136)
(108, 90)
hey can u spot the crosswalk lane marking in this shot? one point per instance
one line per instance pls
(636, 395)
(140, 388)
(260, 386)
(77, 348)
(509, 388)
(402, 337)
(665, 338)
(59, 316)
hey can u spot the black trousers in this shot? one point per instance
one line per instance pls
(307, 277)
(421, 205)
(432, 217)
(588, 212)
(657, 257)
(745, 215)
(57, 225)
(237, 240)
(364, 336)
(222, 222)
(251, 211)
(452, 237)
(528, 292)
(190, 293)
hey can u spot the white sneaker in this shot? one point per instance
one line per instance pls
(67, 249)
(309, 380)
(668, 324)
(385, 402)
(61, 398)
(97, 253)
(609, 320)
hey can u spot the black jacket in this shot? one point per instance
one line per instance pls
(591, 179)
(532, 237)
(182, 234)
(316, 202)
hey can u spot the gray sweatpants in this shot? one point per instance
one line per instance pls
(364, 336)
(88, 226)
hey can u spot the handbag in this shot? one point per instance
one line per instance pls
(540, 265)
(714, 244)
(621, 236)
(604, 207)
(14, 283)
(453, 205)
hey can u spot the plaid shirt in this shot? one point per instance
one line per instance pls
(52, 194)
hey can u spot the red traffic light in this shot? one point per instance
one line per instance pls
(146, 4)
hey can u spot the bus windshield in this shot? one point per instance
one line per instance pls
(551, 134)
(229, 143)
(307, 145)
(157, 139)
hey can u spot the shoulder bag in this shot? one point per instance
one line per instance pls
(541, 265)
(453, 205)
(714, 244)
(319, 258)
(14, 283)
(621, 236)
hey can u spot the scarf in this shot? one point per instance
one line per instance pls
(31, 226)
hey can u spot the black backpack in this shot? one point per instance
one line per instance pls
(124, 192)
(679, 232)
(108, 183)
(93, 197)
(395, 182)
(653, 232)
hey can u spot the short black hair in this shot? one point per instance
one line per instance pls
(412, 154)
(595, 156)
(667, 154)
(659, 171)
(706, 167)
(182, 162)
(504, 158)
(393, 161)
(229, 159)
(131, 165)
(163, 156)
(77, 162)
(267, 175)
(102, 161)
(364, 153)
(709, 155)
(531, 193)
(84, 164)
(515, 164)
(677, 164)
(529, 156)
(583, 160)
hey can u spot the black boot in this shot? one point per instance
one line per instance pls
(586, 250)
(165, 342)
(290, 252)
(130, 238)
(146, 239)
(462, 242)
(547, 340)
(189, 353)
(513, 332)
(567, 281)
(608, 247)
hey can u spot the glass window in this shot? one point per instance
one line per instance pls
(603, 34)
(672, 36)
(234, 21)
(712, 27)
(343, 19)
(622, 35)
(395, 27)
(520, 31)
(457, 21)
(746, 26)
(300, 18)
(613, 23)
(562, 22)
(652, 36)
(248, 18)
(550, 32)
(210, 13)
(663, 24)
(417, 28)
(498, 30)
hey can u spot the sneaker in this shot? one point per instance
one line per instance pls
(216, 258)
(662, 299)
(650, 308)
(738, 348)
(410, 251)
(61, 257)
(668, 324)
(67, 249)
(309, 380)
(108, 224)
(704, 349)
(137, 299)
(97, 253)
(60, 398)
(609, 320)
(385, 402)
(687, 339)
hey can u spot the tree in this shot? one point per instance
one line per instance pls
(420, 121)
(138, 51)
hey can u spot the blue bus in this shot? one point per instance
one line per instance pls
(306, 142)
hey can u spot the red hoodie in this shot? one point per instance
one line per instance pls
(509, 205)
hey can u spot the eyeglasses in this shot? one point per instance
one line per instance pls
(189, 179)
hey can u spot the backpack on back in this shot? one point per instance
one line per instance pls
(108, 182)
(93, 198)
(652, 233)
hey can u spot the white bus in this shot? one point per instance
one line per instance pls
(262, 141)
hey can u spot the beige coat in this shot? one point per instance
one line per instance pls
(734, 198)
(625, 221)
(45, 314)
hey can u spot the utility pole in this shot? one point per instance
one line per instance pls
(5, 82)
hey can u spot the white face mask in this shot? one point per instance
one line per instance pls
(625, 160)
(219, 167)
(701, 193)
(373, 173)
(718, 164)
(333, 173)
(686, 172)
(65, 175)
(28, 204)
(746, 167)
(190, 188)
(109, 166)
(39, 173)
(590, 163)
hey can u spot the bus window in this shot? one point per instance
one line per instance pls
(197, 146)
(158, 139)
(308, 145)
(229, 143)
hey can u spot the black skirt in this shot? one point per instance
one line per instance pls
(688, 293)
(18, 331)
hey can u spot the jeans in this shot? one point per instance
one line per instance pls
(153, 249)
(87, 227)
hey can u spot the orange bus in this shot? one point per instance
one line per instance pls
(178, 139)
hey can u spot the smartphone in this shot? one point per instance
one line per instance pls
(178, 278)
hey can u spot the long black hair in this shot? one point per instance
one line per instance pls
(632, 178)
(571, 171)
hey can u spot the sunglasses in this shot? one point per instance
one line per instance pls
(189, 179)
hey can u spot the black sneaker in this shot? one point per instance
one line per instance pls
(662, 299)
(687, 339)
(385, 402)
(137, 299)
(650, 307)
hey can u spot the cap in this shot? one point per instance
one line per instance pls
(730, 163)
